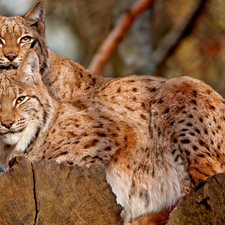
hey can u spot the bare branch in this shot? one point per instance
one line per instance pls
(101, 57)
(173, 39)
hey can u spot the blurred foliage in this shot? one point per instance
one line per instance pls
(89, 20)
(76, 29)
(202, 53)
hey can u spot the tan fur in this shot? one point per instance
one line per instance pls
(156, 138)
(63, 77)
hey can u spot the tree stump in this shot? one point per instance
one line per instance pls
(45, 192)
(203, 205)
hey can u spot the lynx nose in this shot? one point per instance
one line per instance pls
(7, 123)
(10, 56)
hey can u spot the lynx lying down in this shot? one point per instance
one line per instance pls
(156, 138)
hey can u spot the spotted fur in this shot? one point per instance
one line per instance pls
(156, 138)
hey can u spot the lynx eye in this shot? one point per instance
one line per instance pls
(25, 39)
(20, 99)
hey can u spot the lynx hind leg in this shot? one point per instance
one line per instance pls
(140, 187)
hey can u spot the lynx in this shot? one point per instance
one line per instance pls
(63, 77)
(156, 138)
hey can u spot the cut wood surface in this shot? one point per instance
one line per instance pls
(204, 205)
(45, 192)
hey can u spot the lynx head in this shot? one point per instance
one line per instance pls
(18, 33)
(25, 106)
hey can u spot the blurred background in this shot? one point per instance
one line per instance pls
(76, 28)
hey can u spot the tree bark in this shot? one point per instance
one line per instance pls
(45, 192)
(204, 205)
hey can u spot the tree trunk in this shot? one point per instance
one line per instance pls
(45, 192)
(203, 205)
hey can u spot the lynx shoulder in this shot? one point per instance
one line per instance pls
(156, 138)
(63, 77)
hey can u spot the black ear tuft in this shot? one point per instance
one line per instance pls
(34, 43)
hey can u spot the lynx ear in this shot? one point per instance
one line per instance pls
(28, 70)
(36, 13)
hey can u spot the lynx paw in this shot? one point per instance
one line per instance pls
(159, 218)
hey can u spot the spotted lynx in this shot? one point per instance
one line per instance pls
(63, 77)
(156, 138)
